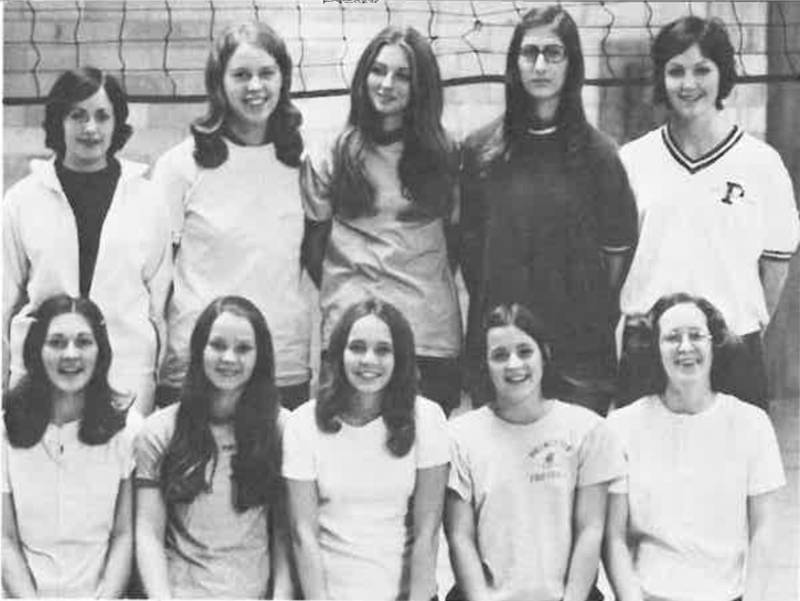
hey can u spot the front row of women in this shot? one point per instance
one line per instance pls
(675, 491)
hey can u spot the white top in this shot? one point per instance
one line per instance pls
(64, 493)
(364, 494)
(520, 480)
(704, 224)
(689, 477)
(222, 553)
(131, 277)
(238, 228)
(403, 262)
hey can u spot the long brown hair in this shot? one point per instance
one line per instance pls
(428, 165)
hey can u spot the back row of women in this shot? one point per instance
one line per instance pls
(536, 208)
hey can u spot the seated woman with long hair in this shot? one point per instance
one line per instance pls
(67, 462)
(385, 194)
(694, 518)
(526, 499)
(366, 466)
(208, 490)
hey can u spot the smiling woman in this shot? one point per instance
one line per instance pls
(703, 471)
(365, 466)
(235, 209)
(67, 462)
(716, 206)
(526, 497)
(88, 224)
(209, 502)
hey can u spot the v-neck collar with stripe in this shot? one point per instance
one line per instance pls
(707, 159)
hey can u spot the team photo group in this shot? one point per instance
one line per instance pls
(601, 401)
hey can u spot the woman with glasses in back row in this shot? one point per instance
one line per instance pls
(548, 218)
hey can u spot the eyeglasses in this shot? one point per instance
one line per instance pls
(675, 337)
(553, 53)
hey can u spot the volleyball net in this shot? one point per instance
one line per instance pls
(158, 48)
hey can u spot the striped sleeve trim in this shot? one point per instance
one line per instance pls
(615, 250)
(777, 255)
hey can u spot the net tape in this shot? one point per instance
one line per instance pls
(158, 48)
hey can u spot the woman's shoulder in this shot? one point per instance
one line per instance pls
(486, 134)
(41, 173)
(160, 425)
(744, 414)
(304, 413)
(645, 141)
(470, 424)
(427, 409)
(179, 157)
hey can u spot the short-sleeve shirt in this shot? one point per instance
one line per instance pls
(689, 477)
(535, 227)
(404, 262)
(215, 550)
(521, 481)
(364, 495)
(64, 493)
(705, 223)
(238, 229)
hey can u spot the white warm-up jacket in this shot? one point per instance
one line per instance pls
(131, 279)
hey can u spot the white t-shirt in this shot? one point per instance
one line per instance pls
(689, 477)
(239, 228)
(364, 495)
(704, 224)
(64, 493)
(521, 480)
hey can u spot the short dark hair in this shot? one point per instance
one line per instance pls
(711, 38)
(397, 405)
(725, 344)
(74, 86)
(517, 315)
(28, 406)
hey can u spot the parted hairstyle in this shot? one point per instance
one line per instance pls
(724, 343)
(714, 44)
(397, 402)
(76, 85)
(283, 126)
(429, 162)
(256, 464)
(570, 120)
(28, 405)
(515, 314)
